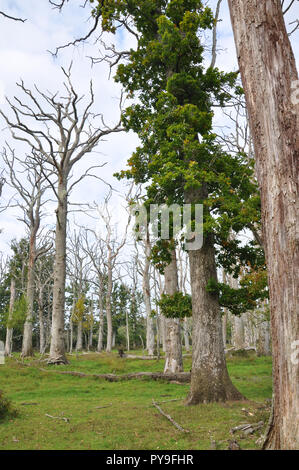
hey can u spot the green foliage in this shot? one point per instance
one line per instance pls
(253, 289)
(178, 305)
(18, 316)
(6, 408)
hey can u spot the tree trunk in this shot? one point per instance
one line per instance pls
(269, 76)
(42, 335)
(9, 331)
(57, 349)
(71, 336)
(127, 331)
(186, 335)
(210, 381)
(174, 357)
(238, 333)
(224, 328)
(101, 323)
(27, 350)
(108, 309)
(150, 332)
(79, 344)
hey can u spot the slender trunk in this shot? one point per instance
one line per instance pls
(42, 336)
(174, 357)
(210, 381)
(150, 333)
(9, 330)
(238, 336)
(224, 328)
(127, 331)
(186, 335)
(71, 336)
(270, 77)
(101, 322)
(108, 308)
(27, 350)
(263, 347)
(79, 345)
(57, 349)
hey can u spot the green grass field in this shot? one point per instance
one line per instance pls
(120, 415)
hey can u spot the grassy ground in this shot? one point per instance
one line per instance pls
(127, 420)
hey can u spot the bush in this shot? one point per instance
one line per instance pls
(6, 408)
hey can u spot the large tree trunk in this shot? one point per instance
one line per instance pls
(174, 357)
(210, 381)
(27, 350)
(57, 348)
(269, 76)
(9, 330)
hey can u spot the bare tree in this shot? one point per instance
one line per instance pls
(111, 246)
(270, 81)
(30, 185)
(64, 136)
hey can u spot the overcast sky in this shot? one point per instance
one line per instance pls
(24, 54)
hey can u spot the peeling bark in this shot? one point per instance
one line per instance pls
(57, 349)
(210, 381)
(269, 77)
(174, 358)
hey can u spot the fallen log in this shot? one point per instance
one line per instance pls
(181, 377)
(149, 358)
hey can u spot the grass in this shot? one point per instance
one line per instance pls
(127, 420)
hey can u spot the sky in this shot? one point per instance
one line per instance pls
(24, 53)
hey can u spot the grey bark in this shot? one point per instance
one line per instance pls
(173, 355)
(269, 77)
(210, 381)
(9, 331)
(57, 348)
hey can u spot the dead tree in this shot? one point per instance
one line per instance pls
(60, 131)
(30, 184)
(113, 246)
(270, 82)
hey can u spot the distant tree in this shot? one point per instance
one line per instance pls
(75, 136)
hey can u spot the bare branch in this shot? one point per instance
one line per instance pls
(12, 17)
(214, 47)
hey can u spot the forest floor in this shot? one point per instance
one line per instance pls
(100, 415)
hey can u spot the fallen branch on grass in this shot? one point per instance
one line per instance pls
(106, 406)
(247, 429)
(169, 418)
(58, 417)
(27, 404)
(180, 377)
(149, 358)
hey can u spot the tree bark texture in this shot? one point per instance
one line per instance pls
(270, 78)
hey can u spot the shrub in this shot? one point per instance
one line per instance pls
(6, 408)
